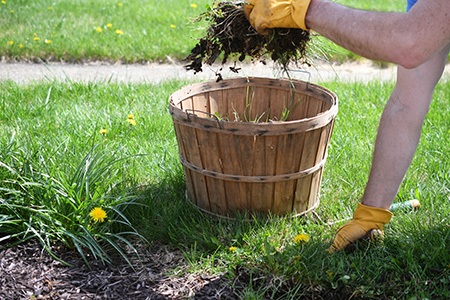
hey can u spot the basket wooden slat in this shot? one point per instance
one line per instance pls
(253, 144)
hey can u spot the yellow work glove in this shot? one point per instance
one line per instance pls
(265, 14)
(365, 218)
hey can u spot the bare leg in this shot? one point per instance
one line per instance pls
(400, 128)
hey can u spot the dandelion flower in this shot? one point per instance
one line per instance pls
(98, 29)
(36, 38)
(300, 238)
(109, 25)
(10, 43)
(20, 45)
(103, 131)
(98, 214)
(233, 248)
(132, 122)
(130, 116)
(173, 26)
(3, 1)
(120, 4)
(47, 41)
(119, 32)
(193, 5)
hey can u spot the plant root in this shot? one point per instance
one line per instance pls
(230, 34)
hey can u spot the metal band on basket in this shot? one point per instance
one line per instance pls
(245, 178)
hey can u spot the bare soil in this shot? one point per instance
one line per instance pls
(26, 272)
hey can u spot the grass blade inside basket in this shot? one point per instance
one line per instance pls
(230, 34)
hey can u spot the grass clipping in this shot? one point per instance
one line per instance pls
(230, 34)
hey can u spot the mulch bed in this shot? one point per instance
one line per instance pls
(26, 272)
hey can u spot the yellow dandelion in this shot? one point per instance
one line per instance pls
(98, 29)
(10, 43)
(36, 38)
(130, 116)
(11, 11)
(20, 45)
(119, 32)
(193, 5)
(173, 26)
(120, 4)
(233, 248)
(103, 131)
(109, 25)
(132, 122)
(300, 238)
(47, 41)
(98, 214)
(3, 1)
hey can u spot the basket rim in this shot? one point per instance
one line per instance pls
(180, 116)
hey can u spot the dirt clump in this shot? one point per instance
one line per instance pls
(230, 36)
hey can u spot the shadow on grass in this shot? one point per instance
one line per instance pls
(264, 272)
(413, 260)
(167, 216)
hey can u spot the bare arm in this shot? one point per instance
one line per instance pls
(407, 39)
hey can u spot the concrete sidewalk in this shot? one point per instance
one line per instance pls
(154, 73)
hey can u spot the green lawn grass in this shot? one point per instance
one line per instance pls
(129, 31)
(67, 147)
(113, 30)
(53, 149)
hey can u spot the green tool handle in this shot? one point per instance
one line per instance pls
(410, 204)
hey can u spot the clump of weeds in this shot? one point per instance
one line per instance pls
(230, 36)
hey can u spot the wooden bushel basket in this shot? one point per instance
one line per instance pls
(253, 144)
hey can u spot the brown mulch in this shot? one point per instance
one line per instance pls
(26, 272)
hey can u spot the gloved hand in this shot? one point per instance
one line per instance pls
(365, 218)
(265, 14)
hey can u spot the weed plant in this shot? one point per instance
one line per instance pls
(59, 161)
(68, 147)
(79, 210)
